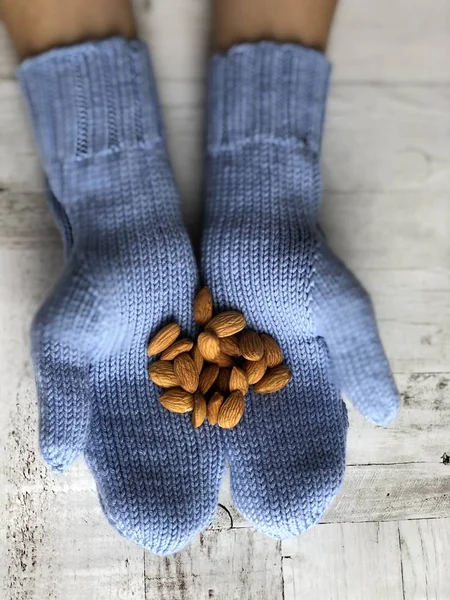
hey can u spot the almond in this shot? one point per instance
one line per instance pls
(238, 380)
(163, 339)
(186, 372)
(177, 400)
(223, 360)
(229, 345)
(203, 306)
(251, 345)
(161, 372)
(272, 351)
(199, 413)
(197, 358)
(231, 410)
(255, 370)
(274, 380)
(213, 408)
(226, 323)
(208, 345)
(223, 381)
(207, 378)
(183, 345)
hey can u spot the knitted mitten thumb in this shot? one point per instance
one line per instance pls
(345, 318)
(62, 341)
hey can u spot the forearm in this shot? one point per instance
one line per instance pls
(305, 22)
(38, 25)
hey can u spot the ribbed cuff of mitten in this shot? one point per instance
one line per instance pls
(267, 90)
(91, 98)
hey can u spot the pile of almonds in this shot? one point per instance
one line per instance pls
(211, 376)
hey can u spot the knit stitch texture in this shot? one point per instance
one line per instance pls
(264, 254)
(129, 270)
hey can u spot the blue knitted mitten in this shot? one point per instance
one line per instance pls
(263, 254)
(129, 269)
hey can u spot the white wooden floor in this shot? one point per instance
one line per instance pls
(387, 212)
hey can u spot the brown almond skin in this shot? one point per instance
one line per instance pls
(186, 372)
(183, 345)
(161, 372)
(251, 345)
(255, 370)
(203, 306)
(272, 351)
(208, 345)
(207, 377)
(226, 323)
(213, 408)
(163, 339)
(274, 380)
(223, 360)
(231, 410)
(238, 380)
(199, 412)
(223, 381)
(230, 345)
(197, 358)
(177, 400)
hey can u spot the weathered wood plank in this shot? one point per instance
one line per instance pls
(419, 435)
(383, 41)
(385, 240)
(425, 552)
(380, 493)
(386, 210)
(390, 231)
(7, 58)
(412, 302)
(344, 562)
(378, 138)
(413, 313)
(57, 543)
(220, 565)
(19, 165)
(395, 472)
(392, 492)
(25, 220)
(54, 540)
(399, 41)
(386, 138)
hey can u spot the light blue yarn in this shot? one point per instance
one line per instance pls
(129, 269)
(264, 254)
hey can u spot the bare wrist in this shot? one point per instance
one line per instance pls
(305, 22)
(38, 25)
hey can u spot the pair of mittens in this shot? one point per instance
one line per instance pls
(130, 269)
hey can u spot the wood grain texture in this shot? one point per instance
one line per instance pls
(219, 565)
(56, 542)
(425, 555)
(390, 492)
(419, 435)
(372, 493)
(385, 41)
(386, 138)
(386, 164)
(377, 138)
(396, 472)
(344, 562)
